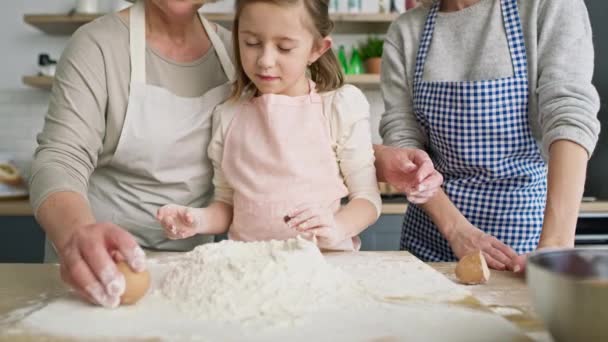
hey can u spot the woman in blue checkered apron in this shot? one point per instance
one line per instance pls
(478, 135)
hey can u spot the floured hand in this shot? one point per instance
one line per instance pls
(317, 221)
(410, 171)
(180, 222)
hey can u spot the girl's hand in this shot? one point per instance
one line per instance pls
(180, 222)
(318, 221)
(466, 238)
(409, 170)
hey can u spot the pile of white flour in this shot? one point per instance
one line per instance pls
(275, 282)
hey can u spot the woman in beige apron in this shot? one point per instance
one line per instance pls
(160, 157)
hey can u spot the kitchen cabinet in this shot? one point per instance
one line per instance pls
(384, 235)
(22, 240)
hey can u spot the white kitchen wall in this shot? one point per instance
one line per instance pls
(22, 108)
(21, 118)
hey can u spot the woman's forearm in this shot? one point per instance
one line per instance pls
(565, 186)
(61, 214)
(354, 217)
(443, 213)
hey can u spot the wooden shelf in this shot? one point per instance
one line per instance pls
(64, 24)
(336, 17)
(41, 82)
(362, 81)
(365, 17)
(58, 24)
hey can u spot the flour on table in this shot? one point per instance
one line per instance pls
(273, 291)
(390, 276)
(275, 281)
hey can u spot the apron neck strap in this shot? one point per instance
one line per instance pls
(220, 49)
(513, 29)
(515, 37)
(137, 44)
(425, 41)
(137, 41)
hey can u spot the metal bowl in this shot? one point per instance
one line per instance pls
(569, 290)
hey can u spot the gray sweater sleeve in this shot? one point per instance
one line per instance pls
(568, 102)
(398, 125)
(74, 126)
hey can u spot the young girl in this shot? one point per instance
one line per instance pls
(289, 146)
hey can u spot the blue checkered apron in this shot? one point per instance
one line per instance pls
(480, 140)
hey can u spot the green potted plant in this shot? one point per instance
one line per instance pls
(371, 54)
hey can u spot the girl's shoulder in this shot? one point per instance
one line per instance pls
(343, 108)
(346, 98)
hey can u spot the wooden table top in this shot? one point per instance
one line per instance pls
(506, 294)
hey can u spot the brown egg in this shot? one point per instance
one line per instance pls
(136, 284)
(472, 269)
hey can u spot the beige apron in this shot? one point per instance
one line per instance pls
(161, 155)
(277, 155)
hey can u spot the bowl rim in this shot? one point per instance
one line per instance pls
(533, 262)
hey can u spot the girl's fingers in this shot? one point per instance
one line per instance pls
(188, 217)
(185, 216)
(299, 209)
(313, 222)
(302, 217)
(319, 232)
(168, 222)
(164, 221)
(166, 210)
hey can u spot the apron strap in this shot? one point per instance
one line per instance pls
(515, 37)
(137, 44)
(137, 41)
(513, 30)
(425, 41)
(220, 49)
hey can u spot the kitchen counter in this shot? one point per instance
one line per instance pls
(21, 207)
(15, 207)
(506, 294)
